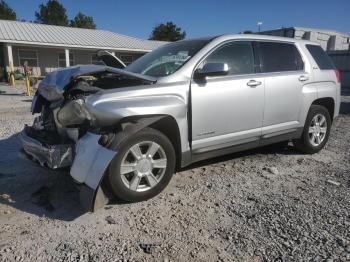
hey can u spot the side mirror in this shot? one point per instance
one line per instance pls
(212, 69)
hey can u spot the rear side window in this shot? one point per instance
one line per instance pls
(279, 57)
(323, 61)
(238, 56)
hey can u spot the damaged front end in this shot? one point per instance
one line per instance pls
(66, 133)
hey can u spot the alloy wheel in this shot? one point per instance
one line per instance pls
(317, 130)
(143, 166)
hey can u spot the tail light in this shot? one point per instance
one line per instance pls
(337, 74)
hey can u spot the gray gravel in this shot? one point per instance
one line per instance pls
(261, 205)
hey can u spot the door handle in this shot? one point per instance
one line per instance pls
(253, 83)
(303, 78)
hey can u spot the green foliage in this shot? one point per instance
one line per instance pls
(83, 21)
(6, 12)
(167, 32)
(53, 13)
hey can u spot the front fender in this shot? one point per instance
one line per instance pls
(109, 108)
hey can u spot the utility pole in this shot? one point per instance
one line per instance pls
(259, 26)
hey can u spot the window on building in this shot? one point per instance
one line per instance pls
(238, 56)
(127, 59)
(279, 57)
(95, 60)
(62, 59)
(31, 56)
(323, 61)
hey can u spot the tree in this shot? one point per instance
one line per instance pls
(83, 21)
(6, 12)
(167, 32)
(53, 13)
(247, 32)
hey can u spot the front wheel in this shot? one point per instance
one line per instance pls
(143, 166)
(316, 130)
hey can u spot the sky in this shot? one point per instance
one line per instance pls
(201, 17)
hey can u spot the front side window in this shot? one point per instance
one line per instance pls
(167, 59)
(279, 57)
(239, 57)
(31, 56)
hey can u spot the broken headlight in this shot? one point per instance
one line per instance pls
(73, 113)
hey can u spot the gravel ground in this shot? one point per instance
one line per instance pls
(261, 205)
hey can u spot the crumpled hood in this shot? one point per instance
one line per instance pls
(54, 84)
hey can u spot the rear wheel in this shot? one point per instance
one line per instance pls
(316, 130)
(143, 166)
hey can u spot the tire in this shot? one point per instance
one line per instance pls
(309, 143)
(134, 175)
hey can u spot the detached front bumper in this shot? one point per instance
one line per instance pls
(88, 161)
(52, 156)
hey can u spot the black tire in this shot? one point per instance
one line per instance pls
(118, 187)
(304, 144)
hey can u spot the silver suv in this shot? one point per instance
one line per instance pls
(125, 131)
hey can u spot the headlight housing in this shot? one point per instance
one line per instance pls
(73, 113)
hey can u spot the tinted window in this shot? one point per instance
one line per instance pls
(322, 59)
(238, 56)
(279, 57)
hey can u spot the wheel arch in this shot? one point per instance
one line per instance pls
(165, 124)
(328, 103)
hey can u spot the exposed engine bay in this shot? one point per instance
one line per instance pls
(63, 118)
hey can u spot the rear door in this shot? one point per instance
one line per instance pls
(283, 69)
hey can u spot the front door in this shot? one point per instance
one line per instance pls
(228, 110)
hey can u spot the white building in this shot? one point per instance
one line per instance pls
(330, 40)
(48, 47)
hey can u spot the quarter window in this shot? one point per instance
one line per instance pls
(323, 61)
(279, 57)
(238, 56)
(31, 56)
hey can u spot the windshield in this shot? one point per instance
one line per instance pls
(167, 59)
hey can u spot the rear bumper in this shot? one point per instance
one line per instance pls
(52, 156)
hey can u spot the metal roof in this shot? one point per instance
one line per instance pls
(49, 35)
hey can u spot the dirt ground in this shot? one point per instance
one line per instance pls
(261, 205)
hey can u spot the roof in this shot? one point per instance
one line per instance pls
(39, 34)
(262, 37)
